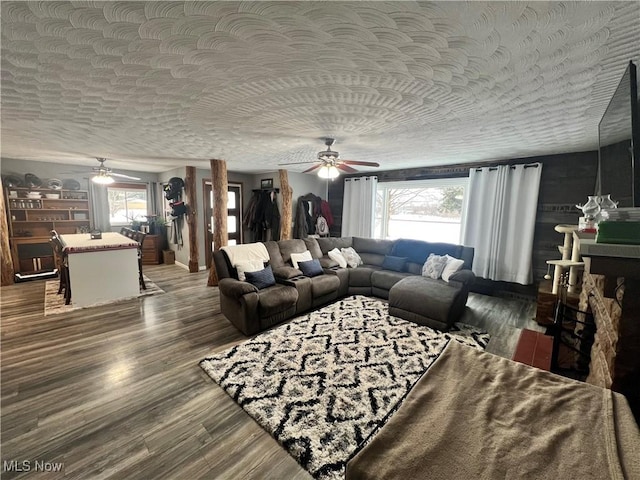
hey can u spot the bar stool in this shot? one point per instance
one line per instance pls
(62, 264)
(139, 237)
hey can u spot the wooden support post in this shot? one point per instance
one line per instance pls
(287, 212)
(220, 187)
(5, 249)
(192, 218)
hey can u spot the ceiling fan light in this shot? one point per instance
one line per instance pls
(102, 179)
(329, 171)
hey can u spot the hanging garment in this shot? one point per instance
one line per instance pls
(325, 211)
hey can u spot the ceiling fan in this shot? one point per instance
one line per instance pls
(103, 174)
(329, 164)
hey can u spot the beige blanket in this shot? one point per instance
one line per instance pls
(246, 252)
(477, 416)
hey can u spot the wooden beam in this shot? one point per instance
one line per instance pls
(220, 187)
(5, 249)
(287, 207)
(192, 217)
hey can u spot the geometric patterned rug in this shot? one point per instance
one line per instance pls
(54, 303)
(324, 382)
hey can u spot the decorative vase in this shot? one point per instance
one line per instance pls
(606, 203)
(591, 208)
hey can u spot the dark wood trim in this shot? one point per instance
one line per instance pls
(6, 264)
(192, 217)
(220, 188)
(287, 206)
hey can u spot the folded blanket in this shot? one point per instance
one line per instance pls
(246, 252)
(477, 416)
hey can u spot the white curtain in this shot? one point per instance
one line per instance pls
(99, 206)
(500, 214)
(358, 206)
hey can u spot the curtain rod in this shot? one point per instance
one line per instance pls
(528, 165)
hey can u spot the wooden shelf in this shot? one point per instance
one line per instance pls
(30, 224)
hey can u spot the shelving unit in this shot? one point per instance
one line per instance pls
(32, 219)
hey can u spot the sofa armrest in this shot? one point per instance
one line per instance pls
(286, 273)
(326, 262)
(466, 277)
(235, 288)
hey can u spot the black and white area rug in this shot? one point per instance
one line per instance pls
(325, 381)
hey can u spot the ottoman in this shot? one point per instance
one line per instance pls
(423, 300)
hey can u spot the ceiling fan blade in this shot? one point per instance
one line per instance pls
(120, 175)
(314, 168)
(345, 168)
(297, 163)
(364, 164)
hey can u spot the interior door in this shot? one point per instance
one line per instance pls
(234, 217)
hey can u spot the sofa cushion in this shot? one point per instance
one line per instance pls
(394, 263)
(329, 243)
(275, 257)
(287, 247)
(324, 285)
(286, 273)
(312, 245)
(352, 257)
(418, 250)
(261, 279)
(385, 279)
(373, 245)
(276, 299)
(361, 276)
(426, 301)
(452, 266)
(433, 266)
(311, 268)
(372, 259)
(300, 257)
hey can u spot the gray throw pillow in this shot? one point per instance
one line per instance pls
(434, 266)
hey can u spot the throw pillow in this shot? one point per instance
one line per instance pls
(300, 257)
(452, 266)
(311, 268)
(394, 263)
(250, 266)
(351, 256)
(261, 279)
(336, 256)
(433, 266)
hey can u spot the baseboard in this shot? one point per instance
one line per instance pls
(186, 267)
(182, 265)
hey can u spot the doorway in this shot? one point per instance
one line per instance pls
(234, 217)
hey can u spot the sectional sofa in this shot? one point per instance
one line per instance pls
(431, 301)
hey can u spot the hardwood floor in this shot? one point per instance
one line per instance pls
(116, 391)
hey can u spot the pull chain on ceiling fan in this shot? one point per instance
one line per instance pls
(329, 163)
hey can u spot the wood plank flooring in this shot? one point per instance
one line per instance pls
(116, 391)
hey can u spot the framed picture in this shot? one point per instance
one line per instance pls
(266, 183)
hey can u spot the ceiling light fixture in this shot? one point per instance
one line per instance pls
(328, 171)
(103, 178)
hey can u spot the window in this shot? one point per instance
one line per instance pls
(428, 210)
(127, 203)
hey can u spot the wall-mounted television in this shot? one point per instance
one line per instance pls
(619, 143)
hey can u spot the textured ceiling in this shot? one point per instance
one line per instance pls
(156, 85)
